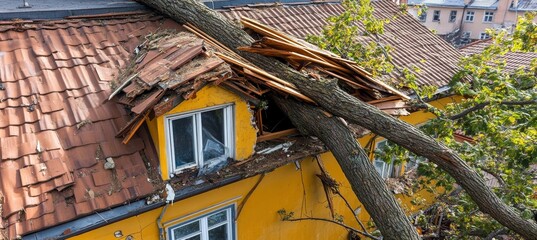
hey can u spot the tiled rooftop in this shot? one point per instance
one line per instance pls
(56, 127)
(412, 43)
(514, 60)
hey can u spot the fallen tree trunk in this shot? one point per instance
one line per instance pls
(356, 165)
(329, 96)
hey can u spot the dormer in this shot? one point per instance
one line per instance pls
(174, 85)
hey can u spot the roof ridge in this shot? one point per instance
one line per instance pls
(475, 43)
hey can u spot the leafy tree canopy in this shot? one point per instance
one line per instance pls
(498, 113)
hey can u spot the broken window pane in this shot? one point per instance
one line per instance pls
(183, 141)
(213, 141)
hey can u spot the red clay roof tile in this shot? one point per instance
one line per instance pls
(56, 128)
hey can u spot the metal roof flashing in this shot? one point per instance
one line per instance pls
(58, 9)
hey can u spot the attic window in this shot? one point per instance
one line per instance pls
(197, 138)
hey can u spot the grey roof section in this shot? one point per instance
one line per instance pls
(525, 5)
(476, 4)
(446, 3)
(484, 4)
(57, 9)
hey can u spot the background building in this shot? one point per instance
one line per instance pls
(461, 21)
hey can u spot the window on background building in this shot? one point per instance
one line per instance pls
(469, 16)
(484, 36)
(197, 138)
(386, 170)
(423, 16)
(436, 16)
(488, 16)
(218, 225)
(452, 16)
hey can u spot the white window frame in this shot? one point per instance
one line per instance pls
(436, 14)
(488, 17)
(204, 226)
(453, 17)
(387, 169)
(469, 16)
(484, 36)
(229, 136)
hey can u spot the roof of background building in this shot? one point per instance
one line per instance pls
(523, 5)
(57, 130)
(514, 60)
(412, 43)
(57, 9)
(451, 3)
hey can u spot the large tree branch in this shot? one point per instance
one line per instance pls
(336, 101)
(484, 104)
(356, 165)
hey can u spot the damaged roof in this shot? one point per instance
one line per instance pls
(56, 129)
(412, 43)
(60, 157)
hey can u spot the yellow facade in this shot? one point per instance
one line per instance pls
(288, 187)
(245, 131)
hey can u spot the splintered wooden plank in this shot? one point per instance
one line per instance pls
(386, 99)
(276, 135)
(148, 102)
(135, 128)
(165, 106)
(293, 56)
(345, 79)
(256, 70)
(278, 86)
(394, 104)
(184, 55)
(237, 90)
(189, 74)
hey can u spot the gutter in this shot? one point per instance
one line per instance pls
(97, 220)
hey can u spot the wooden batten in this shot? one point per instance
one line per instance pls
(276, 135)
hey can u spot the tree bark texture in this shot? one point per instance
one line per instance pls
(328, 95)
(365, 181)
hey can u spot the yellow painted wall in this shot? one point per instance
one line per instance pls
(296, 190)
(245, 131)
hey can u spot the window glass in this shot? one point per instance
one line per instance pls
(436, 15)
(185, 230)
(452, 16)
(488, 16)
(217, 218)
(213, 134)
(218, 233)
(183, 141)
(379, 166)
(470, 16)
